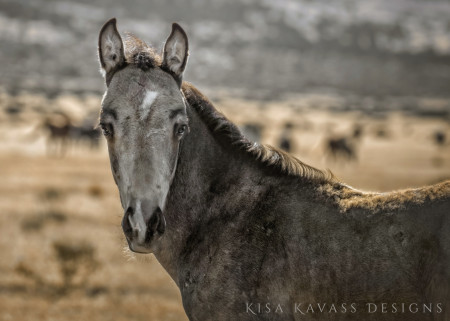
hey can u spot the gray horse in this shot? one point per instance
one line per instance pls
(249, 232)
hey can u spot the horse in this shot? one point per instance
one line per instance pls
(247, 231)
(285, 140)
(344, 147)
(439, 138)
(340, 147)
(58, 127)
(86, 134)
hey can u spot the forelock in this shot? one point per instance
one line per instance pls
(138, 53)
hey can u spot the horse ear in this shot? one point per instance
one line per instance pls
(176, 51)
(110, 48)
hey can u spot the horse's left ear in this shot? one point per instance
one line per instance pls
(176, 51)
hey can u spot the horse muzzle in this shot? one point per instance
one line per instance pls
(141, 228)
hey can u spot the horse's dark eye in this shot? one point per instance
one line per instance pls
(181, 130)
(106, 129)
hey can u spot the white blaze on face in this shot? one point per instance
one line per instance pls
(147, 103)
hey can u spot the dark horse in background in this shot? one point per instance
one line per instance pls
(249, 232)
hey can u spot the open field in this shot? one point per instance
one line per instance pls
(72, 202)
(62, 249)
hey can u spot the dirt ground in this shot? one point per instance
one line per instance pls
(63, 256)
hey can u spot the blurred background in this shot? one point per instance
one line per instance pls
(359, 87)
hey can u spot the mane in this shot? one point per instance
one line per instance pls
(268, 156)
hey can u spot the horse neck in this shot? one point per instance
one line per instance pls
(204, 168)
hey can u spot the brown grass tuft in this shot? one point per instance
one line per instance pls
(95, 191)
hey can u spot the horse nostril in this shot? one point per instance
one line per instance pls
(156, 224)
(126, 227)
(130, 211)
(161, 227)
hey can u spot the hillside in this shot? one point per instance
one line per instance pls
(374, 47)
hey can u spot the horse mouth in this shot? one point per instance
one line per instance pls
(138, 248)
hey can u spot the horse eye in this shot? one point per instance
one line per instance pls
(181, 130)
(106, 129)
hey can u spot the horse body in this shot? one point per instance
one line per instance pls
(58, 127)
(251, 236)
(249, 232)
(342, 146)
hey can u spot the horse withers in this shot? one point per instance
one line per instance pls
(248, 232)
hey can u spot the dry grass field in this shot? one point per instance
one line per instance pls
(62, 250)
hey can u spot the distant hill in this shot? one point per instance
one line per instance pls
(371, 47)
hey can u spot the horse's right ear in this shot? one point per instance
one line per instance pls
(110, 49)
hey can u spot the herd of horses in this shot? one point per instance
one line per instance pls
(335, 147)
(62, 134)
